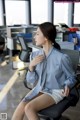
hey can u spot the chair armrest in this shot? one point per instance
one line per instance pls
(27, 85)
(78, 80)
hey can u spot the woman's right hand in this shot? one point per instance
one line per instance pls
(35, 61)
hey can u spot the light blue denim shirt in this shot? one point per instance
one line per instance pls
(54, 72)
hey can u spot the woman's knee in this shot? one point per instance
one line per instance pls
(29, 108)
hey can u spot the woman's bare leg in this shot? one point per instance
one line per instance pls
(25, 118)
(19, 112)
(37, 104)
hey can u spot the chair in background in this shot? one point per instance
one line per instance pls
(25, 50)
(77, 47)
(75, 38)
(2, 43)
(2, 46)
(2, 40)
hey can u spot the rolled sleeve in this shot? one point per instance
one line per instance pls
(68, 71)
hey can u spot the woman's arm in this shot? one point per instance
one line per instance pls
(32, 75)
(68, 71)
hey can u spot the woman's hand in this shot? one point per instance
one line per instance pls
(35, 61)
(66, 91)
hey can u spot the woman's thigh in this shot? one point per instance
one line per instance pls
(41, 102)
(22, 104)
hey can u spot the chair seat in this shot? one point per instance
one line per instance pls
(56, 110)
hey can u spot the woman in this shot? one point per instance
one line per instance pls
(53, 72)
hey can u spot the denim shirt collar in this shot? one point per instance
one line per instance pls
(51, 49)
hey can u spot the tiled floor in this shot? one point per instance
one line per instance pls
(17, 91)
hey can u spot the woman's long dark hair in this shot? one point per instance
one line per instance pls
(49, 31)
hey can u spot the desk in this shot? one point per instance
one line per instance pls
(65, 36)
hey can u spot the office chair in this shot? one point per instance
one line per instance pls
(55, 111)
(75, 38)
(77, 47)
(2, 45)
(25, 50)
(2, 41)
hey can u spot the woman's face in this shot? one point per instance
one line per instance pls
(39, 38)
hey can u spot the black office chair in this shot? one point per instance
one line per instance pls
(25, 50)
(55, 111)
(2, 45)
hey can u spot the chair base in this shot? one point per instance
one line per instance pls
(59, 118)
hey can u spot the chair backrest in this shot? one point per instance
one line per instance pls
(74, 56)
(23, 43)
(25, 51)
(2, 45)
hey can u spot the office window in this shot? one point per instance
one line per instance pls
(76, 13)
(60, 13)
(1, 14)
(16, 12)
(39, 11)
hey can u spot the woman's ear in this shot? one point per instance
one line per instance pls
(46, 39)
